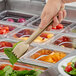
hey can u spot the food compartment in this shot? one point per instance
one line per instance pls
(47, 55)
(20, 66)
(35, 23)
(60, 26)
(24, 34)
(5, 29)
(65, 41)
(71, 29)
(16, 17)
(6, 43)
(9, 43)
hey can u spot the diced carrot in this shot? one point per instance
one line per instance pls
(43, 58)
(36, 55)
(50, 35)
(49, 59)
(69, 63)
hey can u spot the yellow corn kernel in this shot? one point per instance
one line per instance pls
(50, 35)
(24, 38)
(38, 39)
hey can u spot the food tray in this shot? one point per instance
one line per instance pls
(21, 66)
(66, 41)
(36, 23)
(6, 28)
(24, 33)
(46, 51)
(8, 43)
(19, 18)
(71, 29)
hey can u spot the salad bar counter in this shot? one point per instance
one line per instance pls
(48, 55)
(46, 51)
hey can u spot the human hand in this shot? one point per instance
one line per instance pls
(51, 9)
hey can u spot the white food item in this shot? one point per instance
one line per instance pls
(74, 43)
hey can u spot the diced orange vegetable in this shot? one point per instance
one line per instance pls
(51, 57)
(36, 55)
(50, 35)
(38, 39)
(43, 58)
(69, 63)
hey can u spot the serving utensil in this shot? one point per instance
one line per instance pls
(22, 47)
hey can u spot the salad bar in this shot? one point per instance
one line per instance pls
(48, 52)
(19, 69)
(47, 49)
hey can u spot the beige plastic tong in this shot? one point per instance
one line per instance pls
(22, 47)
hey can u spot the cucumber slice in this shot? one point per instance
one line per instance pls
(74, 60)
(74, 31)
(74, 43)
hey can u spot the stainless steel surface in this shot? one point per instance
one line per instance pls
(71, 14)
(2, 5)
(34, 6)
(7, 4)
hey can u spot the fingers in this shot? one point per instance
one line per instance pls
(60, 16)
(45, 18)
(55, 23)
(64, 13)
(43, 14)
(49, 28)
(44, 21)
(57, 20)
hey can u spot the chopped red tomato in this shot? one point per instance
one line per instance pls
(54, 28)
(68, 68)
(2, 66)
(4, 30)
(59, 26)
(8, 44)
(5, 44)
(44, 35)
(16, 68)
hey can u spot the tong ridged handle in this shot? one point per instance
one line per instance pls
(37, 33)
